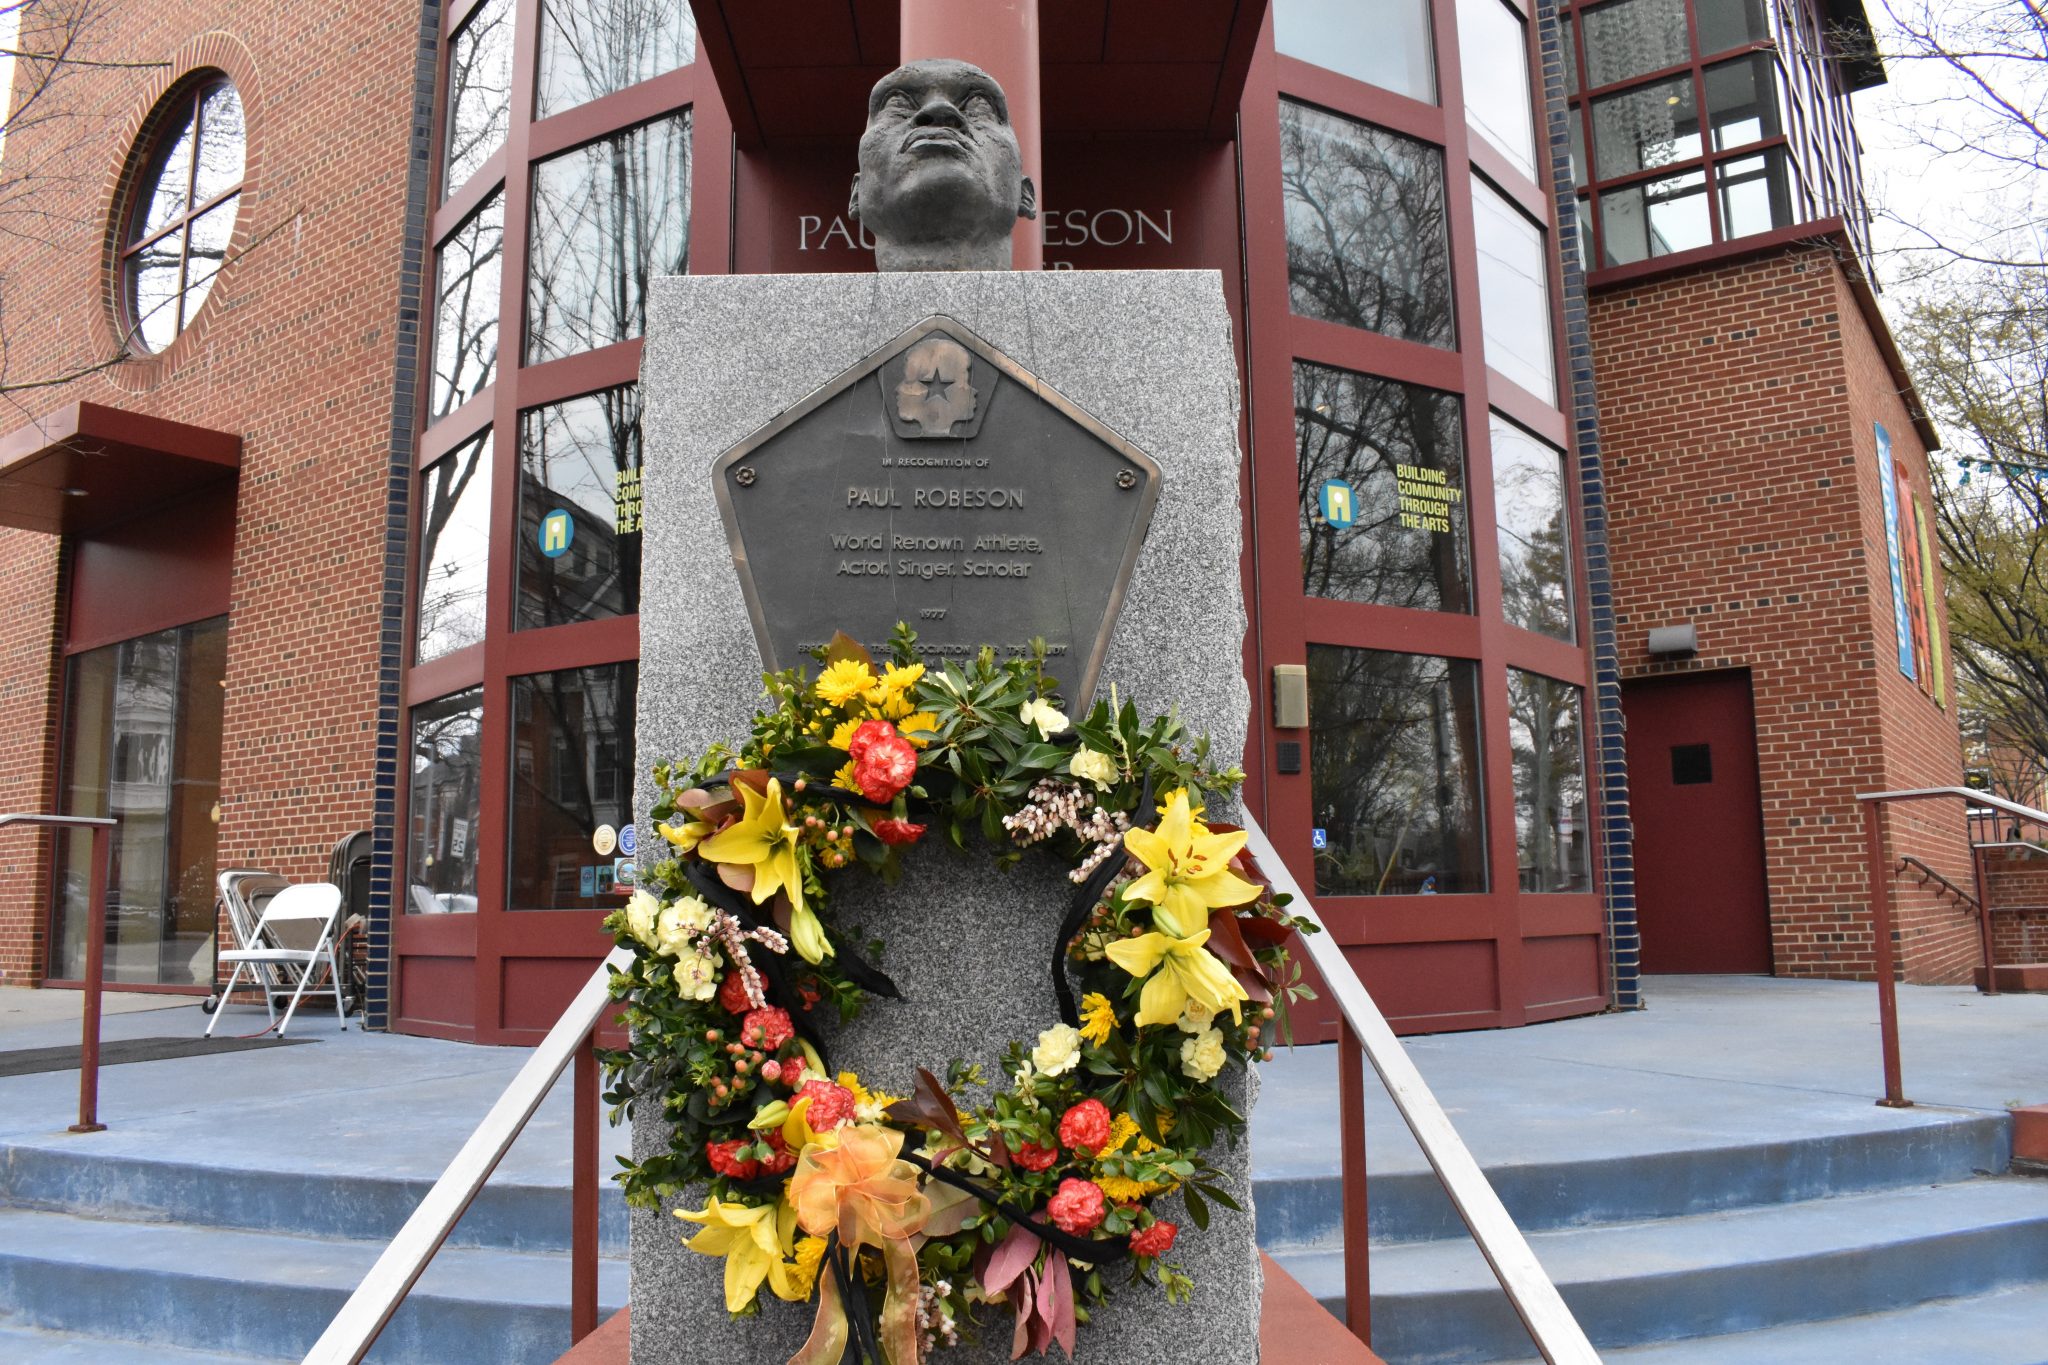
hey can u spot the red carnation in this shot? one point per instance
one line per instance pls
(733, 994)
(886, 767)
(784, 1159)
(767, 1028)
(723, 1162)
(865, 735)
(831, 1105)
(894, 831)
(1033, 1157)
(1078, 1207)
(792, 1072)
(1085, 1125)
(1156, 1240)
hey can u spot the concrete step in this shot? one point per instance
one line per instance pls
(1708, 1274)
(506, 1215)
(2009, 1327)
(1305, 1210)
(31, 1346)
(270, 1295)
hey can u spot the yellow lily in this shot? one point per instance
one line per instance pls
(686, 834)
(1176, 970)
(763, 839)
(755, 1240)
(1187, 870)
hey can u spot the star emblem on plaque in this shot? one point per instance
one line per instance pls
(938, 483)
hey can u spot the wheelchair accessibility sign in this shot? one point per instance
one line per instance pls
(1319, 838)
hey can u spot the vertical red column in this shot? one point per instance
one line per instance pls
(1001, 39)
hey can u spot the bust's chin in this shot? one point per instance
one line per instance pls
(952, 254)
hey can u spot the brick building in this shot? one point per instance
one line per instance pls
(348, 540)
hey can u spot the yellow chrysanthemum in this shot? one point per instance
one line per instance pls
(1125, 1191)
(842, 734)
(919, 727)
(843, 779)
(844, 680)
(867, 1104)
(898, 679)
(1122, 1189)
(803, 1269)
(1098, 1016)
(892, 705)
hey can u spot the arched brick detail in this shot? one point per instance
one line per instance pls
(195, 58)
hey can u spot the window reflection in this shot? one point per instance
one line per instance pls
(590, 48)
(479, 101)
(1381, 42)
(1655, 218)
(1742, 101)
(446, 801)
(1643, 129)
(1388, 458)
(1633, 38)
(1395, 774)
(1529, 513)
(455, 534)
(572, 770)
(607, 218)
(1514, 292)
(1755, 195)
(1551, 819)
(223, 143)
(1494, 53)
(467, 271)
(580, 459)
(1729, 23)
(1366, 237)
(184, 213)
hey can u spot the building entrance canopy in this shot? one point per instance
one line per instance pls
(86, 467)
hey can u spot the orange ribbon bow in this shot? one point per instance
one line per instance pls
(861, 1189)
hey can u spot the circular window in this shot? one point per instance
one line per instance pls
(182, 215)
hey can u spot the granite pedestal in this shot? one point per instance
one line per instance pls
(1149, 355)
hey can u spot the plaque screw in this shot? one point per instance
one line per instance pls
(745, 476)
(1126, 479)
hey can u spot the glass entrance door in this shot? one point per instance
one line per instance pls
(142, 739)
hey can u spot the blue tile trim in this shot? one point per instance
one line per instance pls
(1617, 842)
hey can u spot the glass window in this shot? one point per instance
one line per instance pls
(1742, 101)
(579, 509)
(1633, 38)
(446, 801)
(1646, 128)
(1381, 42)
(1395, 774)
(607, 218)
(1495, 57)
(1551, 832)
(142, 743)
(1729, 23)
(591, 50)
(1655, 218)
(572, 770)
(467, 270)
(1577, 123)
(1582, 218)
(455, 543)
(479, 100)
(1535, 547)
(1514, 292)
(1755, 196)
(1382, 491)
(1366, 239)
(186, 199)
(1568, 47)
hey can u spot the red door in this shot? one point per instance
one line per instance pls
(1699, 852)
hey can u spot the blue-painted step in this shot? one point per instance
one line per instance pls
(32, 1346)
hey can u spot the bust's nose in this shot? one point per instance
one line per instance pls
(939, 110)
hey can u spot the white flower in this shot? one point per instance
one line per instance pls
(679, 926)
(1092, 765)
(1049, 719)
(1194, 1016)
(641, 910)
(1201, 1056)
(697, 974)
(1058, 1050)
(1026, 1074)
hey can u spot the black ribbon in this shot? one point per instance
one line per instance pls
(1078, 910)
(862, 1346)
(1080, 1248)
(775, 966)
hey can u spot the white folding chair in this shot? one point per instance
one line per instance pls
(300, 907)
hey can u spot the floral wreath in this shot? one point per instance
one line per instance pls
(1033, 1196)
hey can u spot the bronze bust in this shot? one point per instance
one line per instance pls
(941, 181)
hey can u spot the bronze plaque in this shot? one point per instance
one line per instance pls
(939, 484)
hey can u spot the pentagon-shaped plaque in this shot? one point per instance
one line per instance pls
(940, 484)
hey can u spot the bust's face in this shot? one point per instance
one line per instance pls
(939, 162)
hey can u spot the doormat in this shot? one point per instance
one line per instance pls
(30, 1061)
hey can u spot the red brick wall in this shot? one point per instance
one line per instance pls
(1735, 404)
(2017, 888)
(295, 350)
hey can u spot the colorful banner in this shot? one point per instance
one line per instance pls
(1936, 664)
(1901, 620)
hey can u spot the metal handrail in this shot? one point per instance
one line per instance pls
(95, 955)
(1535, 1299)
(1884, 959)
(349, 1337)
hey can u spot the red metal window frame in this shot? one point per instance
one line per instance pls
(146, 153)
(1286, 621)
(499, 934)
